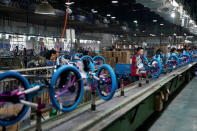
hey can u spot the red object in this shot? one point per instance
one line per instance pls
(64, 29)
(133, 71)
(134, 68)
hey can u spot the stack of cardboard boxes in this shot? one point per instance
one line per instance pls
(11, 110)
(116, 57)
(164, 48)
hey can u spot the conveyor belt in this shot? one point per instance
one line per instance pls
(181, 114)
(84, 119)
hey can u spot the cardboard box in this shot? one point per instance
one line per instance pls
(12, 110)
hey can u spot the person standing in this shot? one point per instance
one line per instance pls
(137, 64)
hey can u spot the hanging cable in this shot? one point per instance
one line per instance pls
(62, 35)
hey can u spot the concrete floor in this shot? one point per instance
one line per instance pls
(181, 114)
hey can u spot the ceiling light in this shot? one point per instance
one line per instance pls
(154, 21)
(45, 8)
(70, 3)
(94, 11)
(135, 21)
(161, 24)
(108, 15)
(114, 2)
(113, 17)
(174, 34)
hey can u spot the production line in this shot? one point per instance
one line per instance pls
(67, 81)
(98, 65)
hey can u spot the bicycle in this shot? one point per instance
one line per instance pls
(67, 80)
(170, 63)
(98, 61)
(65, 90)
(184, 59)
(153, 66)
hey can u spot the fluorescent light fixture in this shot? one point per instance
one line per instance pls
(152, 35)
(135, 21)
(154, 21)
(70, 3)
(113, 17)
(161, 24)
(94, 11)
(108, 15)
(45, 8)
(173, 15)
(114, 2)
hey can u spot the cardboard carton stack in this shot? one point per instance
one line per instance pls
(164, 48)
(11, 110)
(116, 57)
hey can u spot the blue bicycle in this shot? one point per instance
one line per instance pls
(65, 90)
(153, 66)
(184, 59)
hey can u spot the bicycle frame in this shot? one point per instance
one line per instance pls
(150, 68)
(12, 97)
(168, 62)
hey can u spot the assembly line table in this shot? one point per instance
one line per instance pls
(108, 111)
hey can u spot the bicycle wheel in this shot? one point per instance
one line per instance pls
(107, 84)
(172, 62)
(185, 60)
(98, 61)
(155, 68)
(88, 63)
(66, 88)
(86, 57)
(11, 110)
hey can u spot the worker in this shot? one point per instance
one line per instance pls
(180, 51)
(159, 52)
(159, 55)
(173, 51)
(137, 64)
